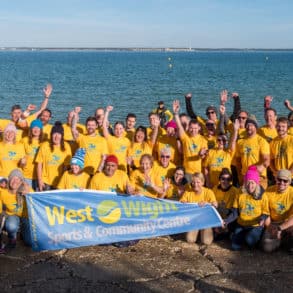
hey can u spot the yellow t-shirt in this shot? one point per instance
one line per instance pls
(249, 151)
(280, 204)
(215, 162)
(136, 150)
(53, 163)
(171, 143)
(163, 173)
(212, 141)
(191, 147)
(95, 147)
(10, 154)
(206, 195)
(47, 132)
(267, 133)
(137, 180)
(251, 209)
(225, 199)
(130, 134)
(161, 132)
(72, 181)
(31, 150)
(117, 183)
(282, 152)
(118, 146)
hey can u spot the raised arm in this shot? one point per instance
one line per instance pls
(47, 93)
(233, 139)
(223, 120)
(155, 131)
(189, 107)
(74, 121)
(288, 105)
(236, 108)
(176, 109)
(106, 132)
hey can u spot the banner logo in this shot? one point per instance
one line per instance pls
(109, 212)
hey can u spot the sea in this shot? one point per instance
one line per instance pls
(134, 82)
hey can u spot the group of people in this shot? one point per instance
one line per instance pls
(243, 170)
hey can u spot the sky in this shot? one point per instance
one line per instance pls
(147, 23)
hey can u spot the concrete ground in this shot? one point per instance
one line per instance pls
(153, 265)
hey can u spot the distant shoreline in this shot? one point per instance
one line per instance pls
(138, 49)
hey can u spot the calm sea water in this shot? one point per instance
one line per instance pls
(134, 81)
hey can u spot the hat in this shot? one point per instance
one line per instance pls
(171, 124)
(252, 120)
(211, 108)
(15, 173)
(252, 174)
(36, 123)
(160, 102)
(284, 174)
(111, 159)
(57, 128)
(10, 127)
(78, 158)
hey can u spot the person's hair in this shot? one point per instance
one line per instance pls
(119, 122)
(193, 121)
(15, 107)
(179, 168)
(257, 194)
(30, 136)
(147, 156)
(165, 150)
(283, 120)
(225, 171)
(46, 110)
(58, 124)
(199, 175)
(152, 114)
(144, 130)
(183, 115)
(270, 109)
(130, 115)
(91, 118)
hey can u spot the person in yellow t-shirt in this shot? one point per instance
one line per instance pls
(164, 168)
(201, 195)
(31, 145)
(118, 143)
(14, 207)
(171, 141)
(280, 198)
(138, 147)
(220, 157)
(251, 209)
(53, 159)
(252, 150)
(225, 194)
(111, 179)
(12, 153)
(75, 178)
(130, 122)
(176, 185)
(95, 145)
(269, 131)
(282, 148)
(194, 146)
(144, 180)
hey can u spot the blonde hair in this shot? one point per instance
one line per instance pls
(198, 175)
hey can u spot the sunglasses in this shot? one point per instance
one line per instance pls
(282, 180)
(179, 174)
(225, 179)
(167, 157)
(221, 139)
(210, 124)
(210, 112)
(242, 117)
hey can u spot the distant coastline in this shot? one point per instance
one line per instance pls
(138, 49)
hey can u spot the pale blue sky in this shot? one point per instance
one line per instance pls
(152, 23)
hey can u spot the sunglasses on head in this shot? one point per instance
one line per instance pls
(282, 180)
